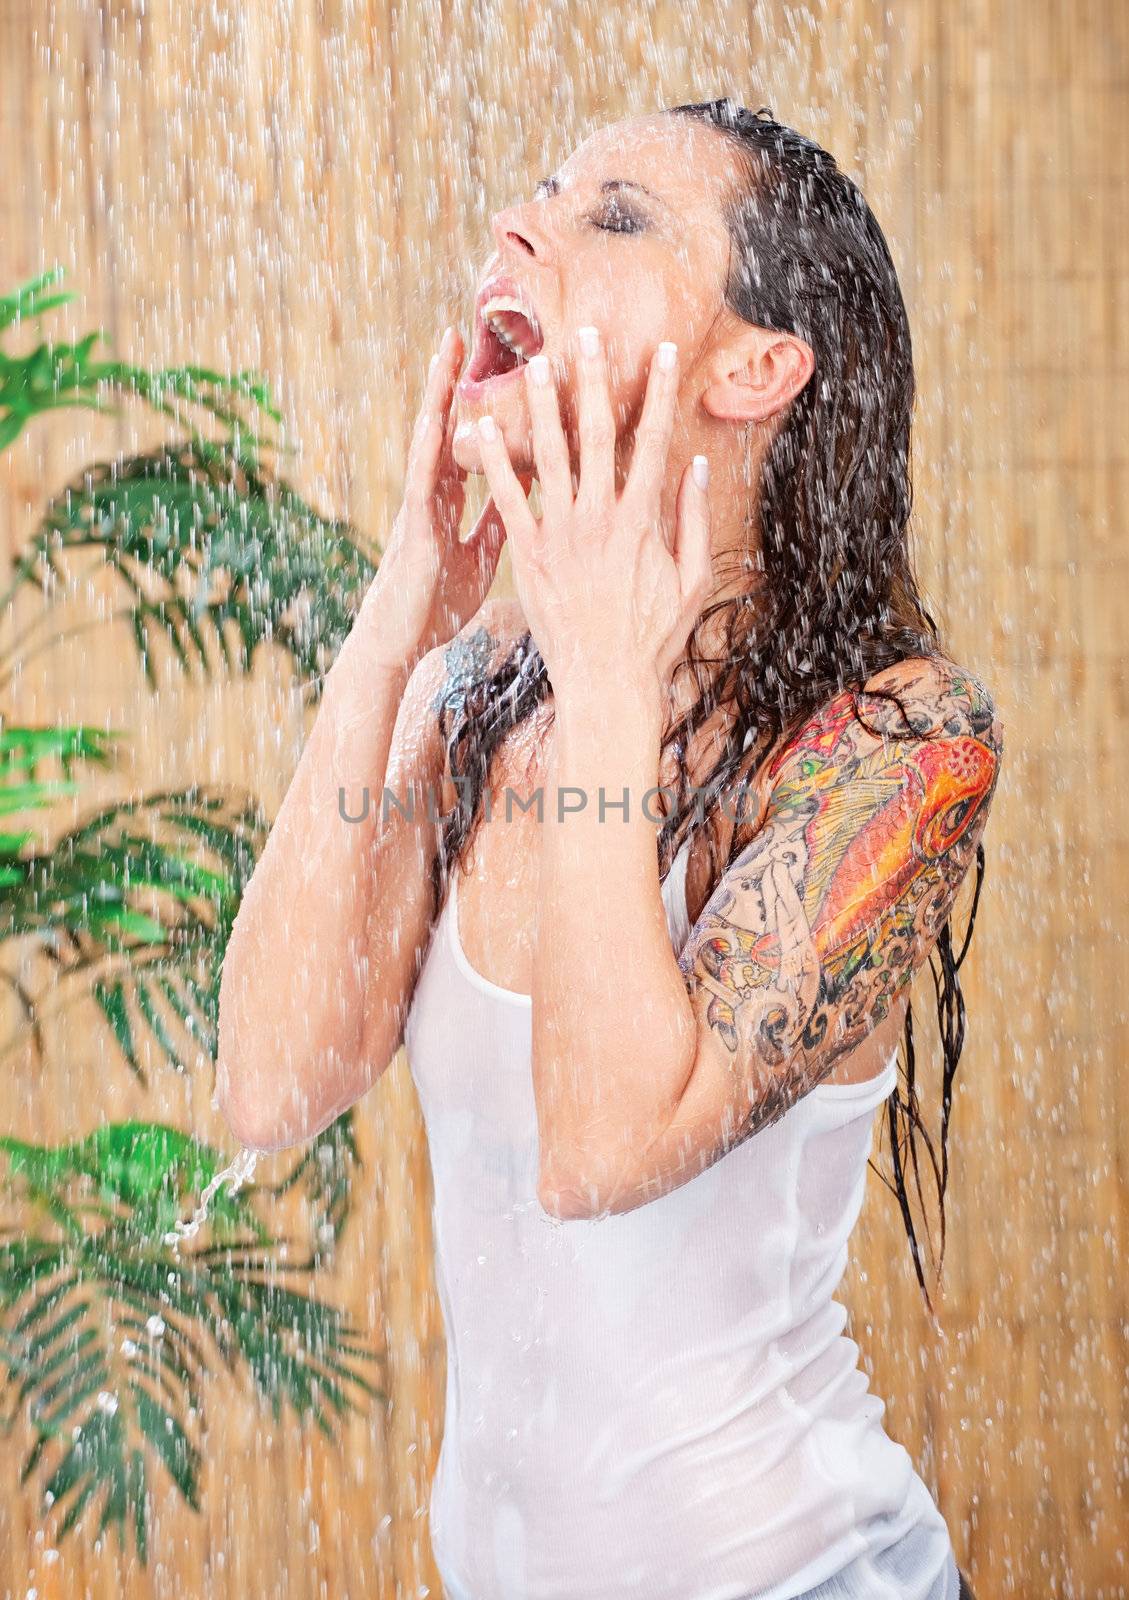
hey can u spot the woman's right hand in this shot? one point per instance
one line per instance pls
(429, 582)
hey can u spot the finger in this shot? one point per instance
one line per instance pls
(595, 422)
(647, 473)
(550, 447)
(481, 549)
(505, 485)
(484, 542)
(431, 421)
(439, 383)
(490, 517)
(691, 550)
(447, 372)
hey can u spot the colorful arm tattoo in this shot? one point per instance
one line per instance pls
(875, 811)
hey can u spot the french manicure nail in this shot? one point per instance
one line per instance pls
(486, 427)
(539, 370)
(701, 470)
(667, 353)
(589, 340)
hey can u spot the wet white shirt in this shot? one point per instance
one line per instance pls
(660, 1404)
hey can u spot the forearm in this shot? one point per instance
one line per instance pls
(613, 1030)
(295, 970)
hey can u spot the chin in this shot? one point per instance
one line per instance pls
(466, 449)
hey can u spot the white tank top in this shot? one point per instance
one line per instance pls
(662, 1404)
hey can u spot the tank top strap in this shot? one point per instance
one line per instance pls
(676, 877)
(674, 896)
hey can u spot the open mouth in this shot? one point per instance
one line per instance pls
(505, 338)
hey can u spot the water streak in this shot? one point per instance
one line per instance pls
(237, 1174)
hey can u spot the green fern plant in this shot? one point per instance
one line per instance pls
(108, 1333)
(212, 556)
(56, 375)
(207, 546)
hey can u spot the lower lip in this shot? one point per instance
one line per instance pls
(482, 388)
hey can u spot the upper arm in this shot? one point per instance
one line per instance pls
(875, 810)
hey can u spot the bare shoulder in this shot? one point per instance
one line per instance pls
(476, 651)
(860, 732)
(444, 677)
(921, 725)
(488, 634)
(447, 670)
(928, 697)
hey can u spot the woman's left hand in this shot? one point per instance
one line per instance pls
(605, 587)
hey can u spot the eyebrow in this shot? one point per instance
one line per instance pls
(551, 186)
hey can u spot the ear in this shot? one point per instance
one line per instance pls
(757, 374)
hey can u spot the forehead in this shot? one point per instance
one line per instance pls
(688, 164)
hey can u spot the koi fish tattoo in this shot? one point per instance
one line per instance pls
(875, 811)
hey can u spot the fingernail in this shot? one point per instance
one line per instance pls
(446, 339)
(667, 353)
(486, 427)
(701, 470)
(589, 340)
(432, 364)
(539, 370)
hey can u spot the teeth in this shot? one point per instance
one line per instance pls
(503, 338)
(505, 302)
(492, 314)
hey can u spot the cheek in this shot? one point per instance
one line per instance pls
(635, 306)
(630, 299)
(649, 314)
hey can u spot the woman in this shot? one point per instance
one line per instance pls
(651, 1015)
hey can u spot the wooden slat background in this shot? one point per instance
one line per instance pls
(305, 188)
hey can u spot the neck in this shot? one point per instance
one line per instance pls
(735, 457)
(687, 685)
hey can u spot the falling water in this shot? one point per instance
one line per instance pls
(308, 191)
(239, 1172)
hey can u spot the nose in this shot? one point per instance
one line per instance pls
(512, 231)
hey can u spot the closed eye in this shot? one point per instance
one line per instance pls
(621, 222)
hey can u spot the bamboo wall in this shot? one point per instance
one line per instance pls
(305, 189)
